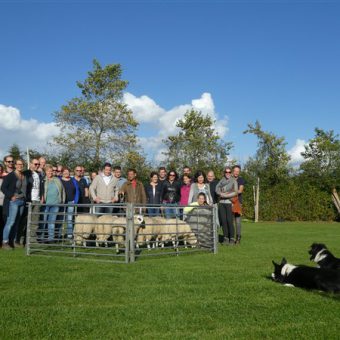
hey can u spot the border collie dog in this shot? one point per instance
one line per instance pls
(323, 257)
(327, 280)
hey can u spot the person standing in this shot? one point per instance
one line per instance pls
(53, 194)
(72, 193)
(171, 194)
(2, 196)
(199, 186)
(241, 183)
(14, 187)
(33, 196)
(83, 188)
(185, 191)
(226, 189)
(153, 192)
(133, 189)
(104, 189)
(212, 184)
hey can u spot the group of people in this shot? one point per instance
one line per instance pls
(165, 193)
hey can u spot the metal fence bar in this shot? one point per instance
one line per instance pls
(124, 242)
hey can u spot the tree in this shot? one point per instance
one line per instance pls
(322, 160)
(271, 160)
(15, 151)
(97, 125)
(197, 144)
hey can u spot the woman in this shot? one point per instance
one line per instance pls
(171, 193)
(199, 186)
(2, 196)
(153, 192)
(53, 195)
(185, 190)
(226, 189)
(72, 197)
(14, 187)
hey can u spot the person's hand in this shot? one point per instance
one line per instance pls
(13, 198)
(97, 199)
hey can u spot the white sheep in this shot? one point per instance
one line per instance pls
(178, 230)
(112, 225)
(150, 229)
(84, 226)
(104, 229)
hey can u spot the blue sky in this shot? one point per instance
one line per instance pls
(272, 61)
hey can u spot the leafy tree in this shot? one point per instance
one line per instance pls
(97, 125)
(197, 144)
(271, 160)
(322, 160)
(15, 151)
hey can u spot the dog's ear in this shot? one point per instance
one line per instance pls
(284, 261)
(274, 263)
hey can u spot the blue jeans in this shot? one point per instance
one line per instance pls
(153, 212)
(15, 211)
(50, 215)
(171, 212)
(69, 218)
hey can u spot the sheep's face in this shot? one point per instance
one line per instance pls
(139, 219)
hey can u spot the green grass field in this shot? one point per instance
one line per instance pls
(199, 296)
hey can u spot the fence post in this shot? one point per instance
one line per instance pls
(130, 232)
(215, 234)
(28, 229)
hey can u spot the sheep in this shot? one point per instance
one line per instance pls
(104, 229)
(177, 229)
(150, 229)
(112, 225)
(84, 226)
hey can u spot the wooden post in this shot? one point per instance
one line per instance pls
(257, 199)
(336, 200)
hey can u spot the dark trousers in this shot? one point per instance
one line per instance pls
(226, 220)
(2, 223)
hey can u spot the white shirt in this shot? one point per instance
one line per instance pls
(107, 179)
(35, 188)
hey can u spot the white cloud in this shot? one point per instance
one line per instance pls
(26, 133)
(149, 113)
(295, 152)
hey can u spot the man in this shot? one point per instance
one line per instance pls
(162, 175)
(33, 196)
(187, 172)
(9, 165)
(104, 189)
(83, 188)
(117, 172)
(133, 189)
(212, 184)
(241, 182)
(59, 170)
(41, 169)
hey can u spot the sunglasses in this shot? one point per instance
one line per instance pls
(172, 175)
(36, 163)
(9, 161)
(228, 172)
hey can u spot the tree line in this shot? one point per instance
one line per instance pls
(98, 126)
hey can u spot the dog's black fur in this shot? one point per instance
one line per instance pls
(323, 257)
(327, 280)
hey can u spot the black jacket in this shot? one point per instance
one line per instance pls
(171, 192)
(149, 193)
(8, 188)
(29, 181)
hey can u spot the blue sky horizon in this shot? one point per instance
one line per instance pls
(272, 61)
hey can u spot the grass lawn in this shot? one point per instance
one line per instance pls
(197, 296)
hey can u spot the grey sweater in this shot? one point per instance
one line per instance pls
(98, 188)
(226, 189)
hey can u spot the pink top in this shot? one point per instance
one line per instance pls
(185, 190)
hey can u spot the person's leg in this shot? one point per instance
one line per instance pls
(2, 224)
(70, 210)
(12, 214)
(230, 223)
(20, 223)
(238, 227)
(52, 216)
(222, 209)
